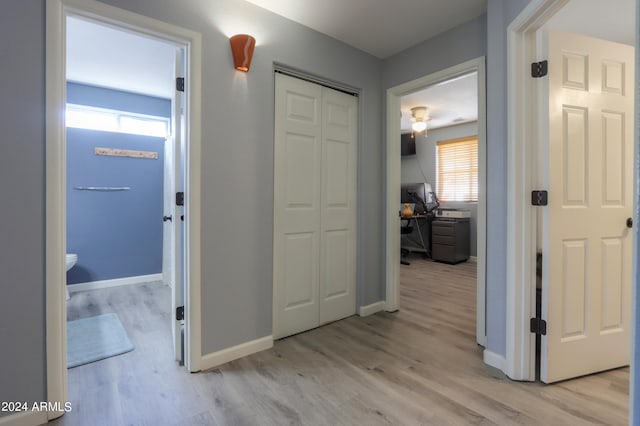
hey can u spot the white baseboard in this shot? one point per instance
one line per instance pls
(363, 311)
(95, 285)
(215, 359)
(26, 418)
(473, 259)
(494, 360)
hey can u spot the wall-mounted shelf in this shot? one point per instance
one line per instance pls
(102, 188)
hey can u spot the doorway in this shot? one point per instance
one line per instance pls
(189, 42)
(392, 247)
(122, 146)
(525, 37)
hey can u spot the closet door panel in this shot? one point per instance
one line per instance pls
(296, 210)
(338, 206)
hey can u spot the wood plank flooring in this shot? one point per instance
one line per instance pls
(418, 366)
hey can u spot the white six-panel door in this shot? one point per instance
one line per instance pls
(315, 164)
(587, 245)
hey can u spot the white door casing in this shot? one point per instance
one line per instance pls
(392, 189)
(167, 209)
(586, 244)
(177, 289)
(315, 154)
(56, 13)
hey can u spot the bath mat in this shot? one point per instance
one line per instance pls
(95, 338)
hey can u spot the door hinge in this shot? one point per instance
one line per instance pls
(539, 69)
(179, 198)
(180, 84)
(179, 313)
(538, 326)
(539, 198)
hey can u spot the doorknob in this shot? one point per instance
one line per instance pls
(167, 218)
(629, 222)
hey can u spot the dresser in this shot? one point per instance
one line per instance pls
(450, 239)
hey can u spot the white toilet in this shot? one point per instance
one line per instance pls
(72, 259)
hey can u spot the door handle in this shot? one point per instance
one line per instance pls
(167, 218)
(629, 222)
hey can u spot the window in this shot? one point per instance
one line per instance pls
(458, 169)
(84, 117)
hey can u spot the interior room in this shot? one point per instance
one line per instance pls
(274, 304)
(444, 156)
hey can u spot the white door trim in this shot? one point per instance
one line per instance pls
(521, 224)
(55, 76)
(392, 220)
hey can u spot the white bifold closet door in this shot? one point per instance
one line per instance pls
(315, 172)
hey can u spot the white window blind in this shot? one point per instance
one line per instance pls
(458, 169)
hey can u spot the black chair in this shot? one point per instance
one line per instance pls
(406, 228)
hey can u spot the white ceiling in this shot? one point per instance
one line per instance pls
(106, 57)
(450, 102)
(379, 27)
(612, 20)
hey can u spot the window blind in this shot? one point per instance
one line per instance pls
(458, 169)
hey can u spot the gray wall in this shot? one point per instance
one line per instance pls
(237, 156)
(453, 47)
(22, 358)
(237, 263)
(500, 14)
(422, 168)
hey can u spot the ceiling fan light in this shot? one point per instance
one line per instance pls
(419, 126)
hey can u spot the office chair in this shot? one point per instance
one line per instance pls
(406, 228)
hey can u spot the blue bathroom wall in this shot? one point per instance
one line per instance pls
(83, 94)
(115, 234)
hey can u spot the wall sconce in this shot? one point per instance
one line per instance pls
(242, 49)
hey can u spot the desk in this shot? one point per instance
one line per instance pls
(420, 239)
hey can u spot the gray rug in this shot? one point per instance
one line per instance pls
(95, 338)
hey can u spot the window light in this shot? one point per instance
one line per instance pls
(84, 117)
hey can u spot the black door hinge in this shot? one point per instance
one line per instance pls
(179, 198)
(538, 326)
(539, 198)
(179, 313)
(539, 69)
(180, 84)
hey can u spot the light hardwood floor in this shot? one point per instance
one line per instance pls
(420, 365)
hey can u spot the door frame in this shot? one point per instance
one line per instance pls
(168, 244)
(55, 141)
(393, 164)
(521, 216)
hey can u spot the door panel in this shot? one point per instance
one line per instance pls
(339, 177)
(336, 278)
(300, 270)
(297, 154)
(587, 247)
